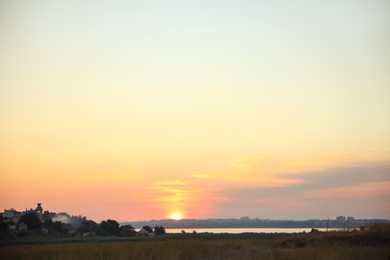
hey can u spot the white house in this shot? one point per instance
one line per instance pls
(144, 233)
(8, 213)
(22, 226)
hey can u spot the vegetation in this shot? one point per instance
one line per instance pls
(3, 225)
(109, 240)
(32, 221)
(159, 230)
(71, 226)
(148, 228)
(87, 226)
(371, 244)
(127, 231)
(111, 228)
(108, 228)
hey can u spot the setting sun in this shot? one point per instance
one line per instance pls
(176, 216)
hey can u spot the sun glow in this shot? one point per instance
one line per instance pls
(176, 216)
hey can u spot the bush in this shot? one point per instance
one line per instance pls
(31, 220)
(148, 228)
(127, 231)
(380, 227)
(109, 227)
(159, 230)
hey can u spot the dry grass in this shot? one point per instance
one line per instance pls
(356, 245)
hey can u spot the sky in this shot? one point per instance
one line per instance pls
(139, 110)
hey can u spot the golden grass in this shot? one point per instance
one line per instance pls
(301, 246)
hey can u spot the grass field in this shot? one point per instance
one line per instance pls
(333, 245)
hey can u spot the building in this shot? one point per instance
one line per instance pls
(22, 226)
(15, 215)
(8, 214)
(144, 233)
(12, 229)
(39, 210)
(340, 218)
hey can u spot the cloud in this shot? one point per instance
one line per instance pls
(319, 180)
(246, 170)
(116, 176)
(243, 178)
(245, 162)
(207, 175)
(270, 171)
(305, 163)
(169, 183)
(355, 189)
(374, 189)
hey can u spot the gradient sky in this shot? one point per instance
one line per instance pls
(137, 110)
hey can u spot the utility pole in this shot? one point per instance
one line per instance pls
(327, 225)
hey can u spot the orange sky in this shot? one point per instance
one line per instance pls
(152, 110)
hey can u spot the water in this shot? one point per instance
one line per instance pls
(243, 230)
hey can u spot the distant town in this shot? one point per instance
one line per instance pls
(38, 221)
(246, 222)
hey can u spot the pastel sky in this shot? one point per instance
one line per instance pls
(138, 110)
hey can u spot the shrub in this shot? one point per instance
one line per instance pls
(159, 230)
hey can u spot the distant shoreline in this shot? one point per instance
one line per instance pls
(340, 222)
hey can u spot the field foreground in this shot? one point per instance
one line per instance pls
(332, 245)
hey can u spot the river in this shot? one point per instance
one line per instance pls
(243, 230)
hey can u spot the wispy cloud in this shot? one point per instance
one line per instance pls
(344, 186)
(207, 175)
(114, 176)
(243, 178)
(299, 164)
(355, 191)
(169, 183)
(324, 179)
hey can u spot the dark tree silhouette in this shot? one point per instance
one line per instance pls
(31, 220)
(58, 226)
(127, 231)
(108, 228)
(148, 228)
(159, 230)
(88, 226)
(48, 223)
(3, 225)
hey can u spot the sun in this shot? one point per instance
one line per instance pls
(176, 216)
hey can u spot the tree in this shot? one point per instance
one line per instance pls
(31, 220)
(87, 226)
(3, 225)
(108, 228)
(48, 223)
(58, 226)
(148, 228)
(127, 231)
(159, 230)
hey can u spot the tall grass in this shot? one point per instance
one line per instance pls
(373, 244)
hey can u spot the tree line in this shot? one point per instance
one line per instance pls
(83, 227)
